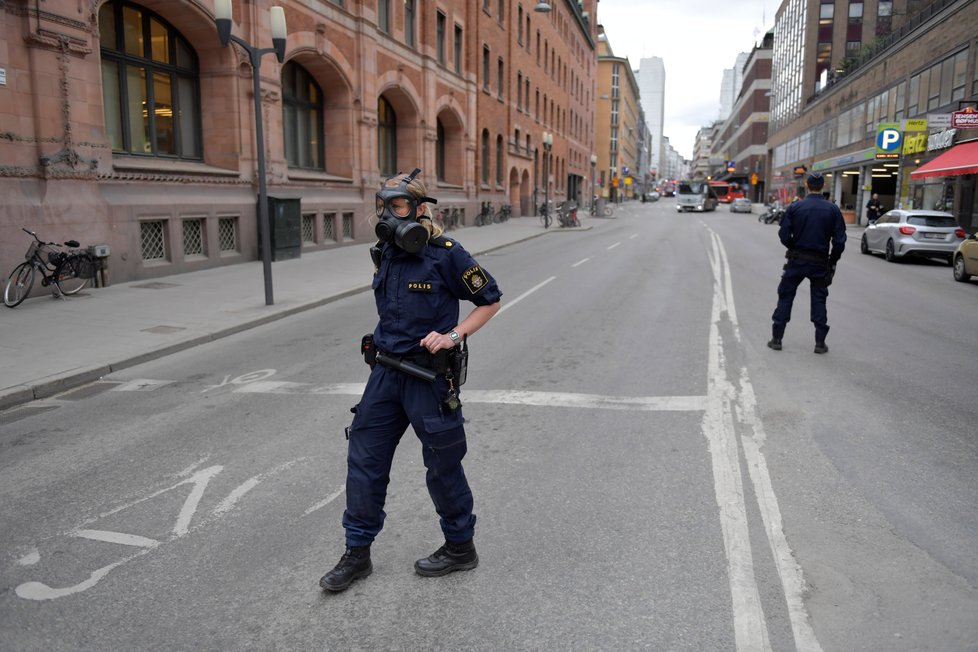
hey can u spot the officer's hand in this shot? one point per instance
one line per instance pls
(435, 341)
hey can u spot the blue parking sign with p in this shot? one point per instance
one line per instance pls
(889, 140)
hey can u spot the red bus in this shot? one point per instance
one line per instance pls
(727, 192)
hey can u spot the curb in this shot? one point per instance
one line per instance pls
(22, 394)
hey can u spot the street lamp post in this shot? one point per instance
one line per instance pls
(594, 162)
(548, 143)
(222, 16)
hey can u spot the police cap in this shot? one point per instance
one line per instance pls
(816, 181)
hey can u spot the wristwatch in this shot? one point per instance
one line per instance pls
(455, 336)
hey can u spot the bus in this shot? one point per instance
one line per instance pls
(695, 196)
(727, 191)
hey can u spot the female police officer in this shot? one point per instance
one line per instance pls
(420, 278)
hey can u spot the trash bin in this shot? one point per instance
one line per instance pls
(284, 227)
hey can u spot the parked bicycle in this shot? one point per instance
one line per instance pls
(545, 217)
(485, 214)
(502, 214)
(68, 271)
(567, 214)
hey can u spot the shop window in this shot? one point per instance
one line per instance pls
(386, 138)
(302, 118)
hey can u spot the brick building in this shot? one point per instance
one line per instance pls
(618, 125)
(128, 124)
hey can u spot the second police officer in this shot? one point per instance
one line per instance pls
(814, 233)
(417, 365)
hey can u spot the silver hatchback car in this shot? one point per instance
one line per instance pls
(900, 233)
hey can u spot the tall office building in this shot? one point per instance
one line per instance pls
(652, 87)
(733, 80)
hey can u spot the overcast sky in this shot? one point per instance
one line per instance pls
(697, 40)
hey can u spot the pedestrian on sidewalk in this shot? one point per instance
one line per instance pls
(814, 233)
(873, 209)
(420, 277)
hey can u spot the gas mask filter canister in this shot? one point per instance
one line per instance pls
(396, 212)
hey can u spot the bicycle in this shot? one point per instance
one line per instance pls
(454, 221)
(485, 214)
(69, 272)
(502, 214)
(545, 217)
(567, 214)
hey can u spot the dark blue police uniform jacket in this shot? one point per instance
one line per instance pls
(814, 227)
(415, 294)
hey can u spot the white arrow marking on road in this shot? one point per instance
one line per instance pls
(118, 537)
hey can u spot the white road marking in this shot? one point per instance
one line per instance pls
(633, 236)
(580, 262)
(322, 503)
(510, 304)
(743, 404)
(610, 247)
(141, 385)
(31, 558)
(118, 537)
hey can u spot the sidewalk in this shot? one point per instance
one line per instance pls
(50, 345)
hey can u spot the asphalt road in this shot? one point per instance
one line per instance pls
(647, 474)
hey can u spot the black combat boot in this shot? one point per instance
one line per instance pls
(774, 343)
(820, 347)
(450, 557)
(353, 565)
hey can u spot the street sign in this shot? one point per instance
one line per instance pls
(889, 140)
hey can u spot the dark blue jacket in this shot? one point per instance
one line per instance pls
(419, 293)
(813, 224)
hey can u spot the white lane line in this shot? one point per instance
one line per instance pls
(750, 628)
(118, 537)
(789, 570)
(633, 236)
(510, 304)
(613, 246)
(322, 503)
(590, 401)
(580, 262)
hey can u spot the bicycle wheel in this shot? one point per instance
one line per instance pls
(74, 273)
(547, 220)
(19, 285)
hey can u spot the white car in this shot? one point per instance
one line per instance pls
(741, 205)
(900, 233)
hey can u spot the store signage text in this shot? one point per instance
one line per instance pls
(941, 140)
(967, 119)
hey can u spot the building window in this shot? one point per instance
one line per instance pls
(519, 91)
(329, 227)
(499, 160)
(458, 49)
(302, 109)
(409, 22)
(884, 17)
(193, 237)
(485, 67)
(386, 138)
(485, 6)
(440, 150)
(500, 77)
(501, 10)
(384, 15)
(151, 84)
(308, 228)
(485, 156)
(440, 37)
(227, 235)
(347, 226)
(152, 243)
(519, 25)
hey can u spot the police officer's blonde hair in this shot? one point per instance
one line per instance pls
(417, 188)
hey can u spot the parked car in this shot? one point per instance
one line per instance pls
(741, 205)
(900, 233)
(965, 259)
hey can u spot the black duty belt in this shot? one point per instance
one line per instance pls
(807, 256)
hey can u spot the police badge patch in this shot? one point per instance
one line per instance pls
(475, 279)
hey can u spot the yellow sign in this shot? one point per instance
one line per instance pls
(919, 124)
(914, 143)
(753, 179)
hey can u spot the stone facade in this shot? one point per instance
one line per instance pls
(64, 174)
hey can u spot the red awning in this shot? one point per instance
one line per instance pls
(960, 159)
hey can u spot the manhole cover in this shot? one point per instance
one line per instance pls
(164, 330)
(157, 285)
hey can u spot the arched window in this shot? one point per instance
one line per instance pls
(499, 160)
(150, 84)
(386, 138)
(485, 156)
(440, 151)
(302, 117)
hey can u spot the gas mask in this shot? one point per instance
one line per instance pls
(396, 212)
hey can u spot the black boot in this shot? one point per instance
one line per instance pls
(774, 343)
(450, 557)
(821, 348)
(353, 565)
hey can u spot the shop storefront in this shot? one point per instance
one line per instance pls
(947, 181)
